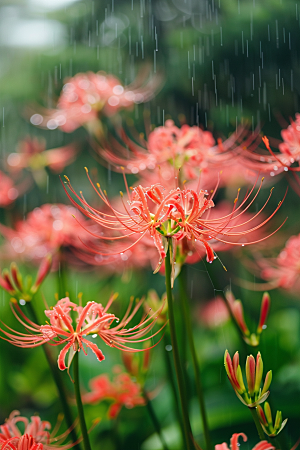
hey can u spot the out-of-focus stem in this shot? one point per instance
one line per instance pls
(179, 375)
(199, 388)
(57, 377)
(84, 432)
(260, 431)
(154, 419)
(170, 374)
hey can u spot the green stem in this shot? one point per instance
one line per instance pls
(215, 282)
(56, 374)
(154, 419)
(179, 375)
(173, 386)
(61, 277)
(199, 388)
(260, 431)
(85, 436)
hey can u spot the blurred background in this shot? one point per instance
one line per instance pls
(219, 65)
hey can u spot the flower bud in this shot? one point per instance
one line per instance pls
(265, 306)
(43, 271)
(266, 421)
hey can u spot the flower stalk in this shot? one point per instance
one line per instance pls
(178, 368)
(84, 431)
(154, 419)
(198, 381)
(56, 374)
(257, 423)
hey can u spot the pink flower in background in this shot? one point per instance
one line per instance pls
(121, 390)
(86, 95)
(35, 434)
(92, 319)
(32, 154)
(47, 229)
(283, 271)
(8, 191)
(290, 147)
(213, 313)
(234, 444)
(170, 148)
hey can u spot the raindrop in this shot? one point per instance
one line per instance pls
(94, 335)
(168, 348)
(22, 302)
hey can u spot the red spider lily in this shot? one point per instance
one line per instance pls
(49, 229)
(36, 434)
(213, 313)
(32, 154)
(122, 390)
(283, 271)
(92, 319)
(175, 214)
(171, 148)
(86, 95)
(234, 444)
(8, 192)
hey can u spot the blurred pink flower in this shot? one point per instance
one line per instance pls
(290, 147)
(122, 390)
(32, 154)
(170, 148)
(283, 271)
(8, 191)
(47, 229)
(86, 95)
(92, 319)
(35, 434)
(234, 444)
(213, 313)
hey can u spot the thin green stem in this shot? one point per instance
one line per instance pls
(188, 328)
(181, 386)
(154, 419)
(170, 374)
(260, 431)
(57, 377)
(84, 432)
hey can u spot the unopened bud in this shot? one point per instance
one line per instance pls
(265, 306)
(43, 271)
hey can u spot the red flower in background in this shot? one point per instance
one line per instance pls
(86, 95)
(170, 148)
(32, 154)
(47, 229)
(8, 191)
(283, 271)
(121, 390)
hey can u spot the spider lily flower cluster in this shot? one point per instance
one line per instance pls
(165, 215)
(266, 421)
(35, 434)
(121, 390)
(92, 319)
(234, 444)
(237, 310)
(12, 281)
(254, 395)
